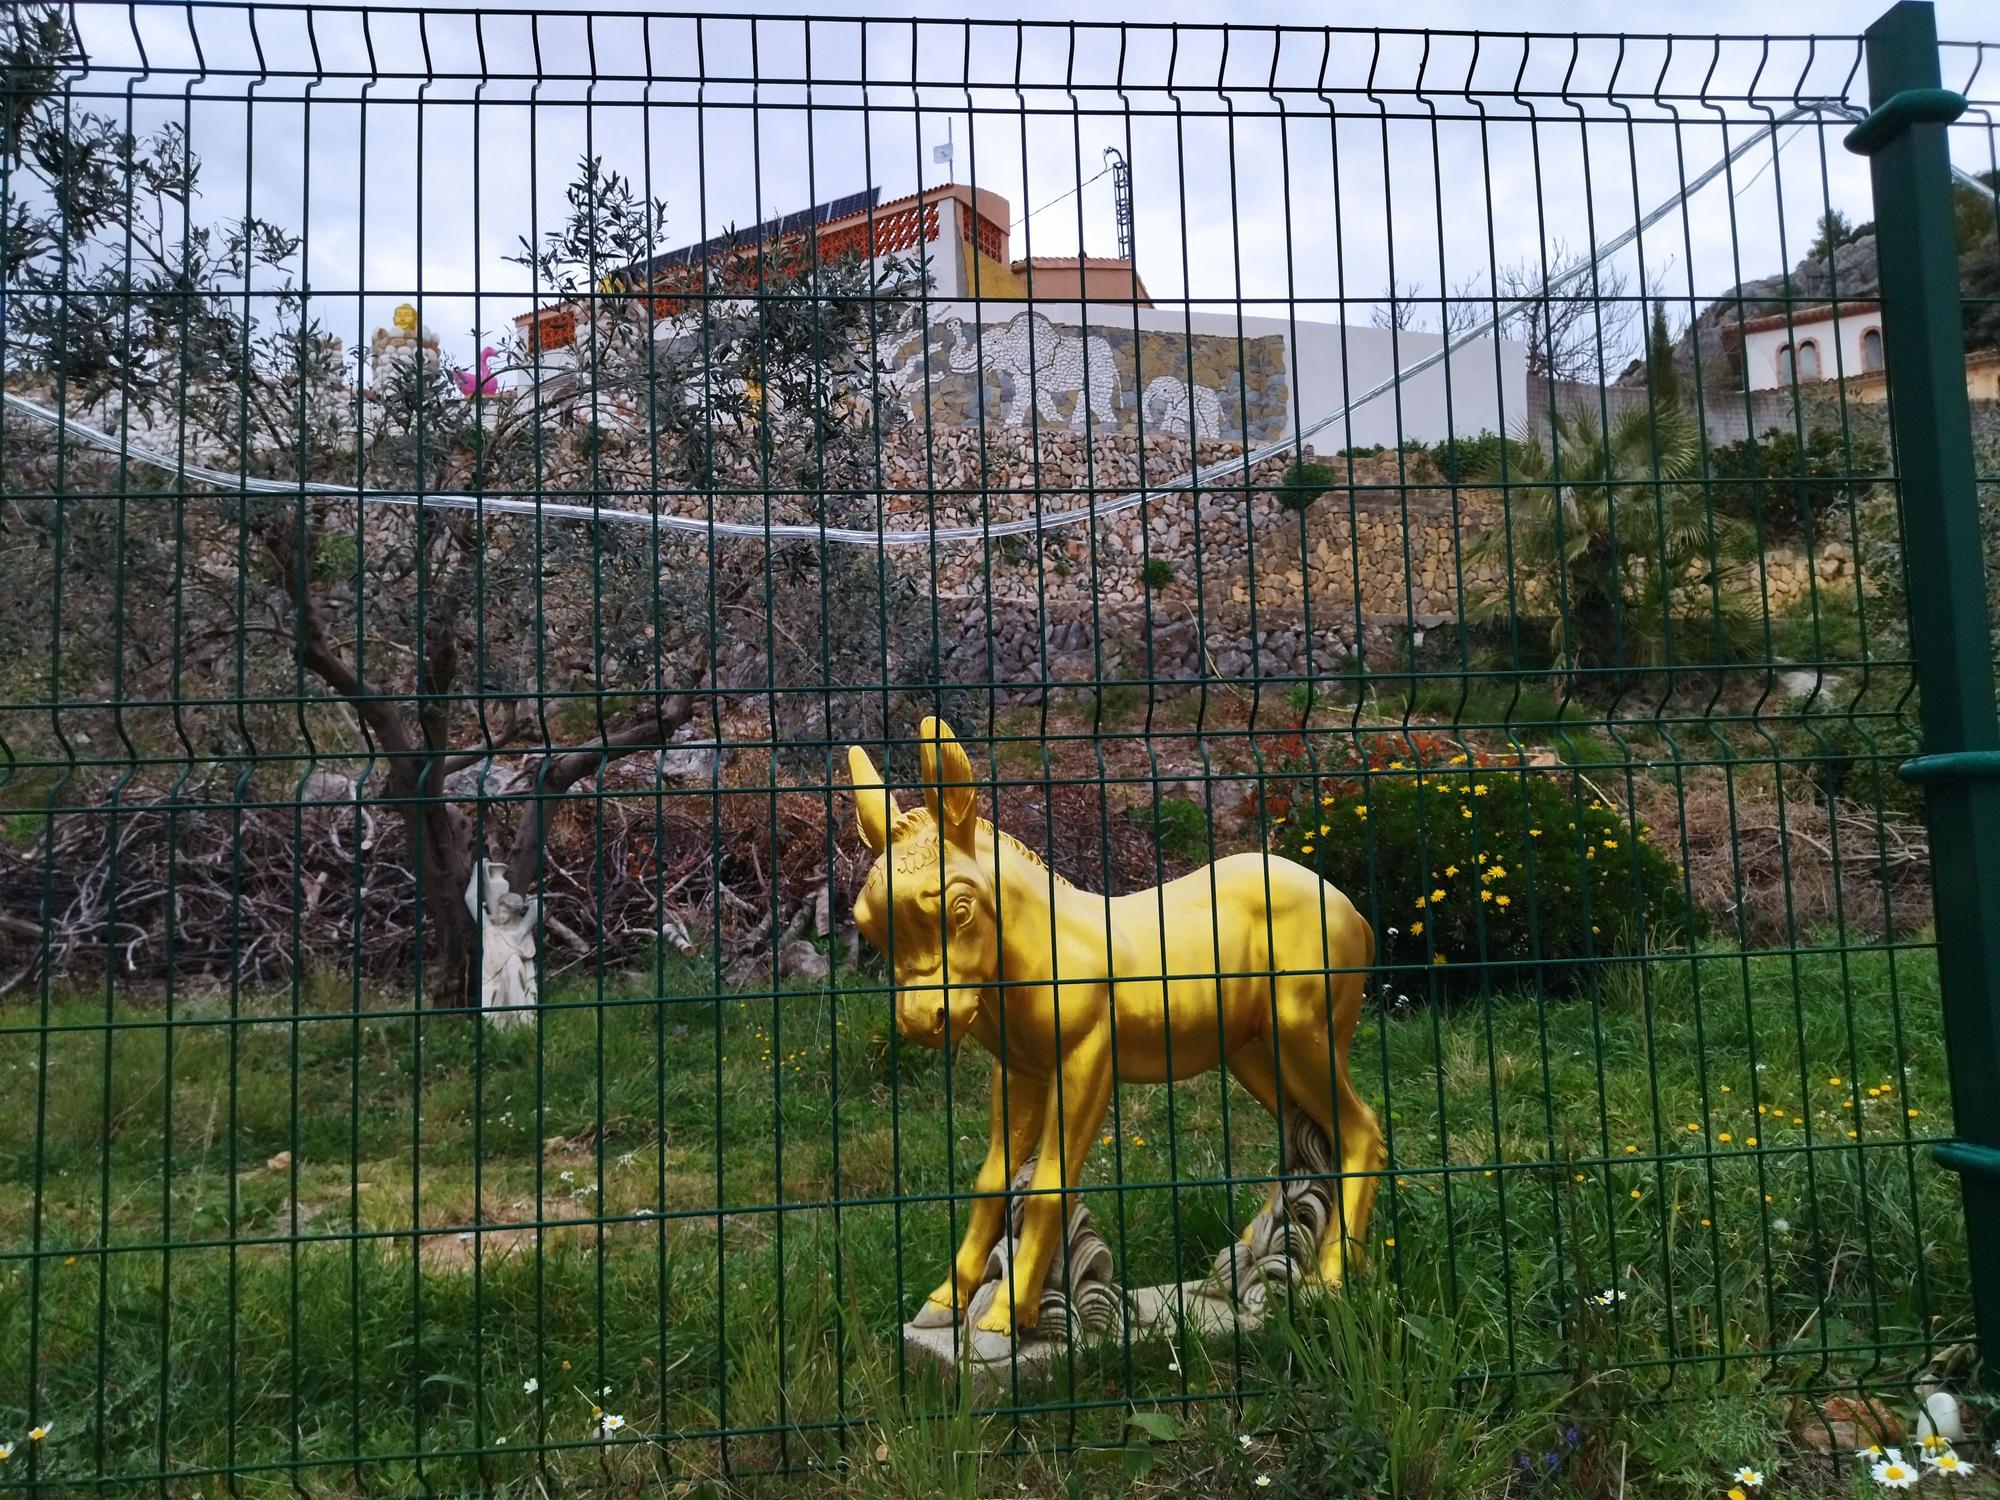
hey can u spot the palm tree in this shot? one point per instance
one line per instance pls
(1605, 534)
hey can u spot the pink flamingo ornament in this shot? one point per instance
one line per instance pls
(484, 384)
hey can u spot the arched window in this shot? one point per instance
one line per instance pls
(1785, 376)
(1871, 348)
(1808, 360)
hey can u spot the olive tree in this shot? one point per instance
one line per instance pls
(472, 663)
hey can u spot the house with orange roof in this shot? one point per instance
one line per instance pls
(1077, 342)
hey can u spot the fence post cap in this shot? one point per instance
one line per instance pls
(1951, 766)
(1899, 112)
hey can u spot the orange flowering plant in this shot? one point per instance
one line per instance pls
(1479, 863)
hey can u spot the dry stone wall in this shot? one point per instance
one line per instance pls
(1249, 587)
(1240, 584)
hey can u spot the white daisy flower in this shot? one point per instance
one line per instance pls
(1243, 1438)
(1893, 1474)
(1610, 1297)
(1951, 1464)
(36, 1434)
(7, 1450)
(1263, 1481)
(531, 1385)
(610, 1424)
(1749, 1478)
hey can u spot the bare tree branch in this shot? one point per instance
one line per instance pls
(1400, 307)
(1583, 332)
(649, 730)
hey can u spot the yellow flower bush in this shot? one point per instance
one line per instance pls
(1463, 844)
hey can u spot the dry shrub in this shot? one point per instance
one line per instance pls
(1777, 871)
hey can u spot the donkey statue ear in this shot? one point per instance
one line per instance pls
(874, 804)
(948, 789)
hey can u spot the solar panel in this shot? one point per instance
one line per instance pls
(770, 229)
(853, 203)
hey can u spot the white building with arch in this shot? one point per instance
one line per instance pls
(1836, 341)
(1829, 341)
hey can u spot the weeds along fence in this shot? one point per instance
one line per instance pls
(469, 478)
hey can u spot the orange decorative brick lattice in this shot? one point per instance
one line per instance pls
(992, 239)
(893, 233)
(555, 329)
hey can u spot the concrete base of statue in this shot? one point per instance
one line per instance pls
(1172, 1311)
(1280, 1247)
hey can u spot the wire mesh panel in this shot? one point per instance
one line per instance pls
(468, 481)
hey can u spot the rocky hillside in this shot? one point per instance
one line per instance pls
(1849, 272)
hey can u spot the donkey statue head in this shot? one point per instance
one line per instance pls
(931, 902)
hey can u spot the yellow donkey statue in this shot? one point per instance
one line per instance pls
(1253, 962)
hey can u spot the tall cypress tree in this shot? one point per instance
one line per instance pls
(1662, 374)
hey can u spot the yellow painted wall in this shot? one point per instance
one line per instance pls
(992, 278)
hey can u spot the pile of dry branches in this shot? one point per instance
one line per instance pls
(195, 884)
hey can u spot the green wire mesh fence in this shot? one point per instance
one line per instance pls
(469, 478)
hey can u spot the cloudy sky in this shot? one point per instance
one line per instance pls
(415, 151)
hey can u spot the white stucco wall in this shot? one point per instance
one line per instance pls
(944, 256)
(1761, 347)
(1478, 387)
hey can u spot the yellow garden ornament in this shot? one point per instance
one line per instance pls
(405, 317)
(1253, 963)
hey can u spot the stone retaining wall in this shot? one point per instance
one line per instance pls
(1239, 583)
(1250, 588)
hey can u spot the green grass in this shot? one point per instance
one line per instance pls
(654, 1176)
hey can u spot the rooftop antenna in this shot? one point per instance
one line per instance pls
(1121, 196)
(942, 155)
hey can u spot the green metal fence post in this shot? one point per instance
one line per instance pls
(1904, 139)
